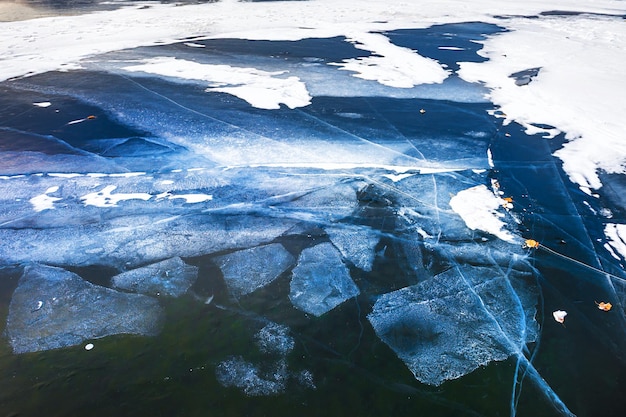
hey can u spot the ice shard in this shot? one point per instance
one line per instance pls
(53, 308)
(356, 244)
(447, 326)
(250, 269)
(321, 281)
(171, 277)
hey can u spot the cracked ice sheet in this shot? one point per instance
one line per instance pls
(262, 89)
(321, 281)
(171, 277)
(247, 270)
(449, 325)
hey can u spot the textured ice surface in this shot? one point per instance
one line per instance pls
(356, 244)
(321, 281)
(271, 375)
(447, 326)
(250, 269)
(171, 277)
(129, 241)
(53, 308)
(250, 378)
(274, 339)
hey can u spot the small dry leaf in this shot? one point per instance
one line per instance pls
(559, 315)
(529, 243)
(604, 306)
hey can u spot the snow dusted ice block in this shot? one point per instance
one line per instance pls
(355, 244)
(448, 326)
(250, 269)
(171, 277)
(53, 308)
(321, 281)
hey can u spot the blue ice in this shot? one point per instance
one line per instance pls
(321, 281)
(250, 269)
(53, 308)
(171, 277)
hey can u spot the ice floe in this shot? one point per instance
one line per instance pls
(449, 325)
(250, 269)
(53, 308)
(321, 281)
(356, 244)
(171, 277)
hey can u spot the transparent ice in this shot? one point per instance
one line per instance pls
(171, 277)
(321, 281)
(250, 269)
(53, 308)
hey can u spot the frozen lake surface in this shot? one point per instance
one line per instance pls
(307, 208)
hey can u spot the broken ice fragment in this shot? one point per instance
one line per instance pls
(250, 269)
(171, 277)
(73, 311)
(321, 281)
(449, 325)
(356, 244)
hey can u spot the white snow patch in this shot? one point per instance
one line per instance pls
(397, 177)
(44, 201)
(106, 198)
(616, 235)
(391, 65)
(478, 207)
(261, 89)
(189, 198)
(64, 175)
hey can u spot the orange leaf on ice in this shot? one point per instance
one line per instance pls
(529, 243)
